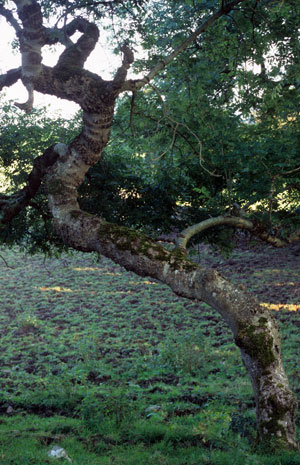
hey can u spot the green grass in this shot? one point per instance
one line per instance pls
(116, 369)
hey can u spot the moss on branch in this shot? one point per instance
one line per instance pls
(257, 343)
(135, 242)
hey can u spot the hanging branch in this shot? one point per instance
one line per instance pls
(11, 205)
(45, 217)
(174, 125)
(168, 124)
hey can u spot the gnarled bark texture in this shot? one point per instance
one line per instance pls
(254, 329)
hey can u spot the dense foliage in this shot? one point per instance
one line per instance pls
(23, 137)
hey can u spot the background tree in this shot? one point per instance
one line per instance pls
(63, 166)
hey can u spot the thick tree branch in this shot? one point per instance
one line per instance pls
(76, 54)
(121, 73)
(236, 222)
(10, 78)
(10, 19)
(254, 328)
(31, 39)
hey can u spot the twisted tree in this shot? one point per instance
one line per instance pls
(62, 169)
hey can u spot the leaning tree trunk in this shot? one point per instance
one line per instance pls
(254, 329)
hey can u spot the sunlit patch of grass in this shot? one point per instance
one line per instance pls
(271, 271)
(280, 307)
(86, 268)
(288, 283)
(55, 288)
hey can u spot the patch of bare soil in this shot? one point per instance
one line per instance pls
(272, 274)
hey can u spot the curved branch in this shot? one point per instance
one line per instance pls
(34, 36)
(236, 222)
(62, 35)
(77, 53)
(10, 206)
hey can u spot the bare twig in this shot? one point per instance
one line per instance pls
(8, 266)
(291, 171)
(171, 144)
(169, 125)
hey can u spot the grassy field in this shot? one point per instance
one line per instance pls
(116, 369)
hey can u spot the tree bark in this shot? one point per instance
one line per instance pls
(254, 329)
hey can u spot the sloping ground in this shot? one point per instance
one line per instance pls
(127, 372)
